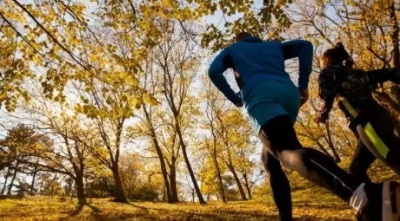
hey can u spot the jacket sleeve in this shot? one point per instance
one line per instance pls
(215, 73)
(304, 51)
(327, 92)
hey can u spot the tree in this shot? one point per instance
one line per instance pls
(177, 77)
(171, 70)
(17, 145)
(230, 135)
(211, 178)
(70, 156)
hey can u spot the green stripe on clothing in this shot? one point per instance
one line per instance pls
(376, 140)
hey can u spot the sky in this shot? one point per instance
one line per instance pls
(215, 19)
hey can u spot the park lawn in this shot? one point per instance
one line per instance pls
(309, 203)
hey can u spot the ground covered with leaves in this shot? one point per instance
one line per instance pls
(311, 204)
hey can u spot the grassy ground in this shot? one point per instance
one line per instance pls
(309, 203)
(306, 207)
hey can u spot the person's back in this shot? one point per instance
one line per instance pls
(256, 60)
(351, 88)
(265, 86)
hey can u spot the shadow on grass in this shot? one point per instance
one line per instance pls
(308, 204)
(212, 215)
(183, 216)
(216, 214)
(80, 206)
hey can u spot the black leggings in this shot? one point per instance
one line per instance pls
(280, 145)
(363, 157)
(362, 160)
(382, 124)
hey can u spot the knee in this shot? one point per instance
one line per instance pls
(304, 159)
(275, 176)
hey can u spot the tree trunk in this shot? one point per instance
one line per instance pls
(164, 194)
(160, 156)
(80, 190)
(174, 189)
(119, 195)
(323, 149)
(163, 168)
(193, 195)
(189, 167)
(12, 179)
(392, 105)
(336, 156)
(221, 186)
(164, 171)
(395, 36)
(32, 187)
(247, 185)
(239, 184)
(5, 181)
(235, 176)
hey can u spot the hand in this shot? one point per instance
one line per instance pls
(304, 95)
(239, 104)
(320, 120)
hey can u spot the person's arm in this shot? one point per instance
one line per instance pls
(304, 51)
(215, 73)
(327, 92)
(383, 75)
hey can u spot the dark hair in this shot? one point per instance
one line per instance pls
(242, 35)
(338, 54)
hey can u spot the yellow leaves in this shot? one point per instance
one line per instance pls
(166, 3)
(149, 99)
(236, 138)
(74, 41)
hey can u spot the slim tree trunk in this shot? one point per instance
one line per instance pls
(164, 194)
(395, 36)
(160, 156)
(189, 166)
(13, 179)
(32, 187)
(247, 185)
(5, 181)
(323, 149)
(336, 156)
(191, 173)
(220, 184)
(235, 176)
(239, 184)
